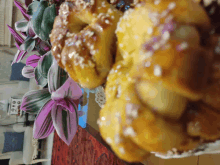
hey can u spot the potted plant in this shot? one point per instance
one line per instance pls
(56, 105)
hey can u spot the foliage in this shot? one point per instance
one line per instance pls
(55, 106)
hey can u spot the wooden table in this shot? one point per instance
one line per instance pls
(92, 128)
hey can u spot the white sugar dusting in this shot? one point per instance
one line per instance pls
(122, 150)
(149, 54)
(183, 45)
(108, 140)
(172, 5)
(117, 139)
(166, 35)
(150, 30)
(129, 131)
(156, 46)
(157, 2)
(157, 70)
(147, 64)
(98, 122)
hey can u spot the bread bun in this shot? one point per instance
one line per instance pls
(83, 40)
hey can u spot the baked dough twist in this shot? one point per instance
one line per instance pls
(83, 40)
(112, 131)
(161, 35)
(164, 68)
(137, 124)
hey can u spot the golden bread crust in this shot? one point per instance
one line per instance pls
(163, 67)
(79, 41)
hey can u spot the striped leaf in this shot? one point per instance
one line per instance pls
(19, 56)
(32, 8)
(18, 39)
(22, 9)
(47, 22)
(33, 101)
(40, 79)
(21, 25)
(37, 17)
(45, 63)
(42, 46)
(65, 123)
(56, 77)
(30, 31)
(69, 89)
(68, 104)
(28, 72)
(28, 44)
(33, 60)
(43, 125)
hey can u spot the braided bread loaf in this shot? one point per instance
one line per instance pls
(162, 93)
(162, 90)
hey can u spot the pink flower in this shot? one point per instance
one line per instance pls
(56, 107)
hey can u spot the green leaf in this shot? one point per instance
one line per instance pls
(65, 117)
(43, 47)
(21, 25)
(65, 123)
(56, 77)
(43, 125)
(38, 16)
(28, 44)
(63, 76)
(47, 22)
(44, 64)
(41, 80)
(32, 8)
(33, 101)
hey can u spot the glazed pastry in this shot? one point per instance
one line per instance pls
(162, 38)
(162, 92)
(138, 25)
(165, 55)
(118, 76)
(83, 40)
(165, 67)
(112, 131)
(150, 131)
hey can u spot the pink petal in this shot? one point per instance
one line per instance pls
(68, 104)
(33, 60)
(43, 125)
(34, 100)
(69, 89)
(65, 123)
